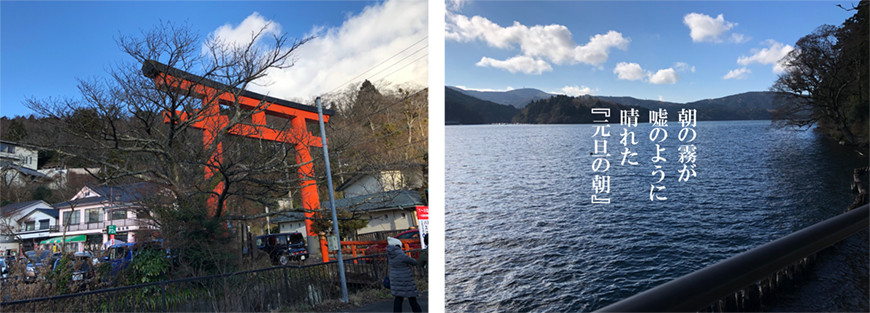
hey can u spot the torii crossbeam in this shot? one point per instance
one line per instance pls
(214, 94)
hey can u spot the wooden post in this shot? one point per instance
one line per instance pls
(324, 249)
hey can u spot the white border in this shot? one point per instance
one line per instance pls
(437, 9)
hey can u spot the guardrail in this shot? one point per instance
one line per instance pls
(102, 224)
(379, 235)
(699, 290)
(269, 289)
(355, 248)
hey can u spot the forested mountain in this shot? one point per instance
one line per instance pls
(517, 98)
(755, 105)
(571, 110)
(464, 109)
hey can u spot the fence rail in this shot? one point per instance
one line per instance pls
(24, 230)
(379, 235)
(705, 289)
(266, 289)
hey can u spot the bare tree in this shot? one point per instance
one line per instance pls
(379, 132)
(149, 129)
(825, 80)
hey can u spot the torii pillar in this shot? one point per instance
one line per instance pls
(210, 120)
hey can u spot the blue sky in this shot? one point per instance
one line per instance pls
(678, 51)
(46, 46)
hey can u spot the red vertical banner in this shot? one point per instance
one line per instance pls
(423, 223)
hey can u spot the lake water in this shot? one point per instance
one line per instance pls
(522, 234)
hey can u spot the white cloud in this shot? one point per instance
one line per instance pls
(661, 98)
(629, 71)
(738, 38)
(706, 28)
(576, 91)
(245, 31)
(546, 43)
(338, 54)
(522, 64)
(455, 5)
(684, 67)
(664, 76)
(739, 73)
(770, 55)
(633, 71)
(596, 51)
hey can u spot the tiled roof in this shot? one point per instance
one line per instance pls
(377, 201)
(14, 207)
(120, 193)
(49, 212)
(396, 199)
(24, 170)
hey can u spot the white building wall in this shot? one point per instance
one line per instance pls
(294, 226)
(12, 221)
(36, 218)
(21, 156)
(365, 186)
(388, 220)
(384, 181)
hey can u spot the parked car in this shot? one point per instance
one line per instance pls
(82, 265)
(408, 234)
(35, 263)
(283, 247)
(4, 269)
(119, 256)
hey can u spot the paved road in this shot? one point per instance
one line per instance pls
(387, 305)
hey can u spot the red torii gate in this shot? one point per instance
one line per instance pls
(214, 94)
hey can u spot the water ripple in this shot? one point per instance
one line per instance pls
(522, 235)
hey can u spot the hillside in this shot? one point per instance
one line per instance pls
(756, 105)
(571, 110)
(517, 98)
(464, 109)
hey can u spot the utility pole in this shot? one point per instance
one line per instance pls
(339, 258)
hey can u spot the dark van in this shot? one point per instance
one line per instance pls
(283, 247)
(119, 256)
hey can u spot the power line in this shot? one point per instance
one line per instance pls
(400, 60)
(406, 65)
(379, 64)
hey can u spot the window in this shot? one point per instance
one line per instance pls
(95, 216)
(143, 214)
(28, 226)
(43, 224)
(7, 148)
(74, 220)
(413, 235)
(119, 215)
